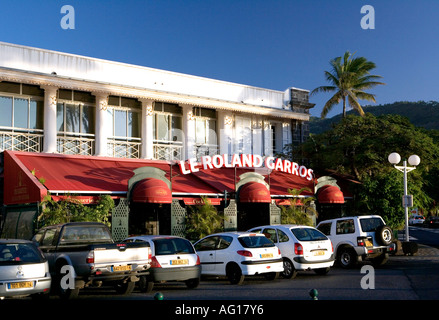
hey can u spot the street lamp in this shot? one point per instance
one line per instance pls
(407, 200)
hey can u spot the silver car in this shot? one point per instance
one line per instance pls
(23, 270)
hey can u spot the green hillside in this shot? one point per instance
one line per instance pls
(421, 114)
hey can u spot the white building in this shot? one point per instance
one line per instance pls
(56, 102)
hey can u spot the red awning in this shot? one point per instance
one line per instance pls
(330, 194)
(254, 192)
(151, 190)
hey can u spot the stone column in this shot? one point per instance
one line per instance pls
(50, 127)
(101, 132)
(225, 125)
(189, 132)
(147, 133)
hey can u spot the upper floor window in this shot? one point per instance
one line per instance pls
(21, 106)
(75, 112)
(123, 115)
(205, 126)
(167, 122)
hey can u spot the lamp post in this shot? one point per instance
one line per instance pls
(414, 160)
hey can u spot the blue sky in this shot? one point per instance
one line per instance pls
(272, 44)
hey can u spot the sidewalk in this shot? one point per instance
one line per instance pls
(424, 252)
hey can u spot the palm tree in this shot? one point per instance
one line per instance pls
(349, 77)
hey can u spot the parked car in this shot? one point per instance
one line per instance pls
(86, 253)
(302, 248)
(24, 270)
(173, 259)
(416, 219)
(431, 222)
(359, 238)
(239, 254)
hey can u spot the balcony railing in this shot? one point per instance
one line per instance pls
(171, 150)
(124, 149)
(205, 150)
(21, 141)
(75, 145)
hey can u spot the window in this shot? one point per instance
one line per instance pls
(370, 224)
(167, 123)
(205, 126)
(308, 234)
(271, 234)
(224, 242)
(22, 109)
(255, 242)
(345, 226)
(74, 118)
(123, 115)
(325, 228)
(207, 244)
(282, 236)
(172, 246)
(48, 237)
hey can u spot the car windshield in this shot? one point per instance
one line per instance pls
(19, 253)
(308, 234)
(172, 246)
(370, 224)
(255, 242)
(85, 234)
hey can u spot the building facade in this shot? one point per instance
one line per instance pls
(77, 125)
(62, 103)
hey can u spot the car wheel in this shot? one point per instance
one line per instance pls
(384, 235)
(347, 258)
(125, 288)
(145, 284)
(289, 271)
(63, 292)
(322, 271)
(271, 275)
(234, 274)
(380, 260)
(192, 283)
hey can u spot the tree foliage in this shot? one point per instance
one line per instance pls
(359, 146)
(349, 77)
(299, 210)
(72, 210)
(203, 220)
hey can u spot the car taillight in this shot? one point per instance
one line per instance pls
(278, 251)
(198, 261)
(245, 253)
(298, 249)
(155, 263)
(361, 241)
(90, 257)
(332, 247)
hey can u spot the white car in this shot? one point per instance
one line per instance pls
(23, 270)
(239, 254)
(302, 248)
(416, 219)
(173, 259)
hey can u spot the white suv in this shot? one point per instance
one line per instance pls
(359, 238)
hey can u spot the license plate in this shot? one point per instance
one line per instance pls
(179, 262)
(369, 243)
(266, 255)
(19, 285)
(319, 252)
(121, 268)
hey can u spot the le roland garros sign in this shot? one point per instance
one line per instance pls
(245, 161)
